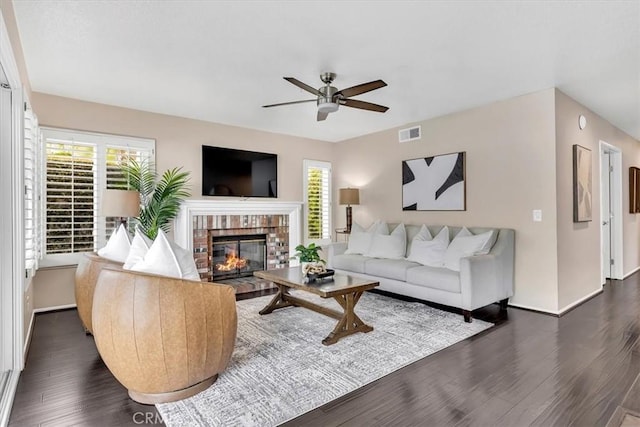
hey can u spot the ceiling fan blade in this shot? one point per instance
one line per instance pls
(303, 85)
(289, 103)
(354, 103)
(360, 89)
(322, 116)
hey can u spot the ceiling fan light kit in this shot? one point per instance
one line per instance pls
(329, 98)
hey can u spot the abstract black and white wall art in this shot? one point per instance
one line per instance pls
(434, 183)
(582, 184)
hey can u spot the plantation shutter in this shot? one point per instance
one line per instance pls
(317, 199)
(70, 196)
(112, 156)
(79, 166)
(31, 198)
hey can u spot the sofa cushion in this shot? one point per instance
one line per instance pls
(118, 245)
(360, 239)
(435, 277)
(466, 244)
(168, 259)
(390, 268)
(139, 247)
(422, 236)
(350, 262)
(430, 252)
(391, 246)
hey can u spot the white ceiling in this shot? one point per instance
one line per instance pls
(220, 61)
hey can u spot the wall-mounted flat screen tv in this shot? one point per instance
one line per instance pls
(238, 173)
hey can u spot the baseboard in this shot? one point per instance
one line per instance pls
(7, 393)
(573, 305)
(561, 312)
(634, 271)
(535, 309)
(27, 341)
(55, 308)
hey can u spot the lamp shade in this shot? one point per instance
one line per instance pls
(122, 203)
(349, 196)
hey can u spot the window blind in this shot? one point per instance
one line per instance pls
(31, 181)
(317, 196)
(79, 166)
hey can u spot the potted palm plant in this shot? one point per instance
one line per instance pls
(160, 196)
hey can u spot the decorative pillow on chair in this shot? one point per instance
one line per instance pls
(391, 246)
(139, 247)
(360, 239)
(429, 252)
(117, 248)
(466, 244)
(167, 259)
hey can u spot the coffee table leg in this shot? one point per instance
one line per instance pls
(350, 323)
(278, 301)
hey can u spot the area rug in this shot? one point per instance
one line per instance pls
(280, 369)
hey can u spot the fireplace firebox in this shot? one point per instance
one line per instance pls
(237, 256)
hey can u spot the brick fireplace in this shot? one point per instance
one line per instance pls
(202, 223)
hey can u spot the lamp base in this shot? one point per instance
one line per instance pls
(349, 219)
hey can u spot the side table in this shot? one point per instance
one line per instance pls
(342, 232)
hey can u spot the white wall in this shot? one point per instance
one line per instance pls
(579, 243)
(178, 144)
(510, 170)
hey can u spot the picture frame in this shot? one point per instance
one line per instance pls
(582, 184)
(634, 190)
(436, 183)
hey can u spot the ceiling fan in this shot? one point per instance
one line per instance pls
(330, 98)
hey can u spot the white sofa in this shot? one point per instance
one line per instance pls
(482, 279)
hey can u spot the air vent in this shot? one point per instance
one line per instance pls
(410, 134)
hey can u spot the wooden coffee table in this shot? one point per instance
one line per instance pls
(345, 289)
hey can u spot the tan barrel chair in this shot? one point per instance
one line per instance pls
(87, 273)
(164, 339)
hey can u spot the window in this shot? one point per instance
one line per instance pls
(317, 201)
(32, 161)
(78, 166)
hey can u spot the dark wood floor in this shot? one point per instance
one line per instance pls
(531, 369)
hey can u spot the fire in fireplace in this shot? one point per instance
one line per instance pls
(233, 262)
(237, 256)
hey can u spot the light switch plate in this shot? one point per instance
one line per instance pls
(537, 215)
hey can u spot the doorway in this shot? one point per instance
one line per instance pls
(611, 212)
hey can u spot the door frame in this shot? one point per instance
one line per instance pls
(11, 219)
(616, 225)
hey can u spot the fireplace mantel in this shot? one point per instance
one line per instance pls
(183, 224)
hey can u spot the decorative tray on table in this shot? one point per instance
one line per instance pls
(320, 276)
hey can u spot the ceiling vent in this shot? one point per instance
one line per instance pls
(410, 134)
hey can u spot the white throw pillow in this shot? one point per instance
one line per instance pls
(466, 244)
(391, 246)
(360, 239)
(430, 252)
(117, 248)
(423, 235)
(139, 247)
(167, 259)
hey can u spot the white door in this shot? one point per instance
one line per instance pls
(605, 209)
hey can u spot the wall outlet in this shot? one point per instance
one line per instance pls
(537, 215)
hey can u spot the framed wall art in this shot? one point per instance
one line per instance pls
(434, 183)
(634, 190)
(582, 184)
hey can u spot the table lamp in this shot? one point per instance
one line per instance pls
(349, 196)
(121, 203)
